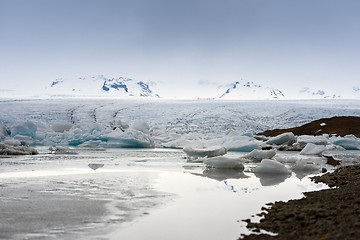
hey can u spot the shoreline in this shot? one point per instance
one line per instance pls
(326, 214)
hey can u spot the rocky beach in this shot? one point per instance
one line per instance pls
(327, 214)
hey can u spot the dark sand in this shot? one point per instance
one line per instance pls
(340, 126)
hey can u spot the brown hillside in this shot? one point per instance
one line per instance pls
(340, 126)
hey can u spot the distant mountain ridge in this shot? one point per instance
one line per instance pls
(247, 90)
(101, 86)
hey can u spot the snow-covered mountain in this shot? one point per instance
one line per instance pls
(100, 86)
(245, 90)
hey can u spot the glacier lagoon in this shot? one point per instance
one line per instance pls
(101, 190)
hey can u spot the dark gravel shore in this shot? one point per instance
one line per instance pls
(327, 214)
(340, 125)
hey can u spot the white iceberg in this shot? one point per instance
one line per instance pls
(281, 139)
(302, 140)
(221, 162)
(312, 149)
(258, 155)
(240, 143)
(306, 165)
(208, 152)
(270, 166)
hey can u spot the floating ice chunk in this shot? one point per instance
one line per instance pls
(306, 165)
(271, 166)
(240, 143)
(322, 124)
(281, 139)
(25, 129)
(16, 150)
(348, 142)
(293, 158)
(312, 149)
(212, 151)
(244, 147)
(221, 162)
(177, 144)
(334, 147)
(258, 155)
(318, 140)
(287, 158)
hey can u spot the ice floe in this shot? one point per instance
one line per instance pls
(283, 138)
(302, 140)
(270, 166)
(213, 151)
(258, 155)
(222, 162)
(349, 142)
(312, 149)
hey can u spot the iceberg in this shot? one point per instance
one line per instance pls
(240, 143)
(306, 165)
(302, 140)
(213, 151)
(258, 155)
(312, 149)
(221, 162)
(348, 142)
(270, 166)
(281, 139)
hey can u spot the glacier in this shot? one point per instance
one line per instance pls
(170, 124)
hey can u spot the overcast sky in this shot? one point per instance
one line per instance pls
(182, 45)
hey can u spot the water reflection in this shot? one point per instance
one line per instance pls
(95, 166)
(301, 174)
(268, 179)
(223, 174)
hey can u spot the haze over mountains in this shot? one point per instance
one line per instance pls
(127, 88)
